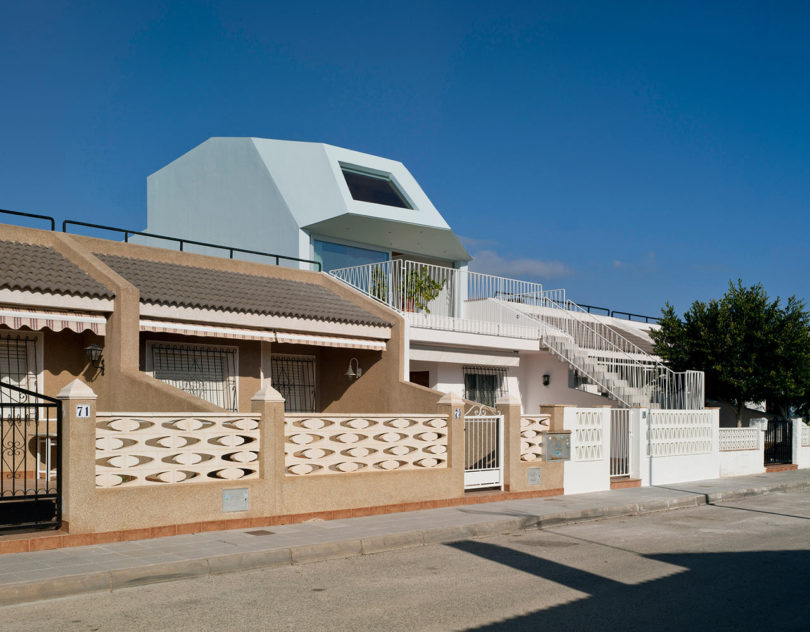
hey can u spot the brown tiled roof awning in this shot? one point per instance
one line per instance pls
(205, 288)
(16, 317)
(241, 333)
(37, 268)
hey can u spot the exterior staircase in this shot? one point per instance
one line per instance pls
(460, 300)
(620, 368)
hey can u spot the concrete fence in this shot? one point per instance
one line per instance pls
(742, 451)
(675, 446)
(801, 443)
(589, 467)
(182, 471)
(124, 471)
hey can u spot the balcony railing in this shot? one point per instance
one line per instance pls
(436, 297)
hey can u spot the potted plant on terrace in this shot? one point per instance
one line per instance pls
(379, 285)
(421, 289)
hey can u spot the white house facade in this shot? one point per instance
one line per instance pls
(368, 223)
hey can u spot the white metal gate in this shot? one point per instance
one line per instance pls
(619, 442)
(483, 448)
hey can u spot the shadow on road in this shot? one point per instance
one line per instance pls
(759, 590)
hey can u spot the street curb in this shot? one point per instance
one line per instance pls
(108, 581)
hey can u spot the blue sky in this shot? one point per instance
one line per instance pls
(632, 153)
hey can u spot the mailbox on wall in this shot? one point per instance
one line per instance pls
(557, 446)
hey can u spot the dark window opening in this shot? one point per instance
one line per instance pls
(368, 187)
(18, 365)
(294, 377)
(422, 378)
(484, 384)
(205, 372)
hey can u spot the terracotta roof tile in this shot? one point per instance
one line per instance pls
(206, 288)
(38, 268)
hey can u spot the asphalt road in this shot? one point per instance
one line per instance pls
(743, 565)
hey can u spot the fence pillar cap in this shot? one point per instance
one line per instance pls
(267, 394)
(451, 398)
(508, 399)
(77, 390)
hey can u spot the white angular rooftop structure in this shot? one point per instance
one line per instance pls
(286, 196)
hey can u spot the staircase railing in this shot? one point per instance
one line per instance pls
(438, 297)
(638, 378)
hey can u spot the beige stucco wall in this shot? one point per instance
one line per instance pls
(89, 509)
(125, 386)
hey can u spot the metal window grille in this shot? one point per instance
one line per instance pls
(18, 366)
(294, 377)
(207, 372)
(484, 384)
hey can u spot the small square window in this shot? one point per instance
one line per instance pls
(370, 187)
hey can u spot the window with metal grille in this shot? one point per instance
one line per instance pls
(207, 372)
(484, 384)
(294, 377)
(18, 365)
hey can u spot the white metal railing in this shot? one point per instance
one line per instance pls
(805, 438)
(733, 439)
(626, 371)
(619, 442)
(483, 448)
(437, 297)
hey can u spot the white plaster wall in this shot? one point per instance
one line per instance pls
(742, 462)
(580, 477)
(664, 470)
(801, 454)
(221, 192)
(532, 392)
(449, 377)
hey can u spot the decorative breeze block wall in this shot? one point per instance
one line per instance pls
(588, 440)
(680, 432)
(532, 428)
(340, 444)
(734, 439)
(135, 449)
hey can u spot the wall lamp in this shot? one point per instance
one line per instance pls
(354, 370)
(546, 379)
(94, 356)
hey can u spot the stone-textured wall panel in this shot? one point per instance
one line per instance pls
(588, 436)
(532, 428)
(340, 444)
(733, 439)
(680, 432)
(135, 449)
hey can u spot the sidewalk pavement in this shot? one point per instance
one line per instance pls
(33, 576)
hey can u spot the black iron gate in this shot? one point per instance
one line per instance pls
(30, 459)
(779, 442)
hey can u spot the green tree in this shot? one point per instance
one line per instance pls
(750, 347)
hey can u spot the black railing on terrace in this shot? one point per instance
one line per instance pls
(182, 241)
(630, 316)
(178, 240)
(33, 215)
(593, 309)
